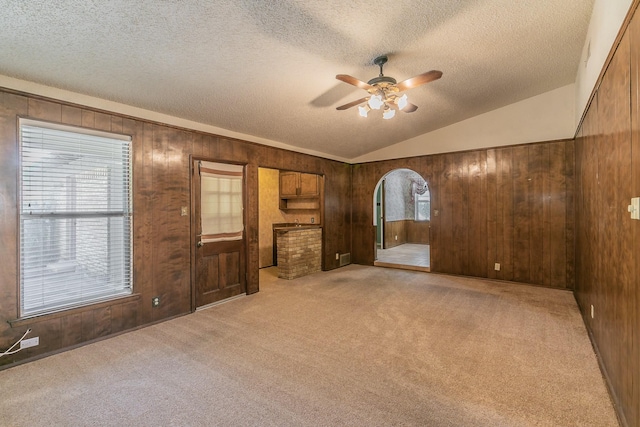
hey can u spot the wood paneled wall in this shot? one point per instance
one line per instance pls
(418, 232)
(607, 250)
(407, 230)
(395, 233)
(161, 242)
(512, 206)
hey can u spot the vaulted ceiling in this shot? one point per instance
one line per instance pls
(267, 68)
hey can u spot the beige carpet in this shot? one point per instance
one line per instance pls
(358, 346)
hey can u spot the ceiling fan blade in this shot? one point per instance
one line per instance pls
(353, 81)
(353, 104)
(418, 80)
(410, 108)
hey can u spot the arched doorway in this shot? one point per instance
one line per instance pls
(402, 214)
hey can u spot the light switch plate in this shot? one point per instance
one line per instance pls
(634, 208)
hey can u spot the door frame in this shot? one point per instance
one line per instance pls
(381, 186)
(193, 221)
(379, 218)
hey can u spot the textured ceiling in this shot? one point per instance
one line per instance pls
(267, 68)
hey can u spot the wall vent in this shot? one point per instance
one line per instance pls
(345, 259)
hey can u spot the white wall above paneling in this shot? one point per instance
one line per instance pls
(541, 118)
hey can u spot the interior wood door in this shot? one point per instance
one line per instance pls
(220, 266)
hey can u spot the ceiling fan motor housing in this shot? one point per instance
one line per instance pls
(382, 79)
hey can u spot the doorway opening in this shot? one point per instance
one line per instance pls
(402, 215)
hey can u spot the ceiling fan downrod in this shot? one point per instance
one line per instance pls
(380, 61)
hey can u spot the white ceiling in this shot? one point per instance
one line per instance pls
(267, 68)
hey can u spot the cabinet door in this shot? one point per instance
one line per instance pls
(308, 185)
(288, 184)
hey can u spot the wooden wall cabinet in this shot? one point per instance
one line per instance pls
(298, 184)
(299, 190)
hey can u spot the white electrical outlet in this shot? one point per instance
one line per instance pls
(184, 211)
(31, 342)
(592, 311)
(496, 266)
(337, 255)
(396, 237)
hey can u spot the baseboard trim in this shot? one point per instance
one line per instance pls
(213, 304)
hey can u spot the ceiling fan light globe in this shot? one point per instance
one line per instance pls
(402, 101)
(363, 110)
(388, 113)
(375, 102)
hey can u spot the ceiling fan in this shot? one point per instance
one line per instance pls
(384, 91)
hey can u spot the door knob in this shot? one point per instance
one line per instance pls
(200, 244)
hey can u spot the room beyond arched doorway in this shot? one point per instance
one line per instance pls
(401, 215)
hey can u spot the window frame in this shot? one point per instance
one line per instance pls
(126, 213)
(417, 202)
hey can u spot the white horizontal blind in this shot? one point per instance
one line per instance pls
(75, 217)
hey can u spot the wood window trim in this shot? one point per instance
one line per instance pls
(25, 321)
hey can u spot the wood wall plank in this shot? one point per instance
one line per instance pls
(570, 213)
(116, 318)
(521, 215)
(460, 212)
(102, 322)
(538, 173)
(417, 232)
(161, 224)
(102, 121)
(395, 233)
(44, 110)
(252, 229)
(477, 216)
(505, 204)
(556, 202)
(130, 317)
(88, 326)
(446, 259)
(48, 333)
(71, 330)
(88, 118)
(71, 115)
(144, 212)
(197, 145)
(116, 124)
(492, 213)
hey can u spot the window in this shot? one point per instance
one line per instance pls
(220, 202)
(423, 206)
(75, 217)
